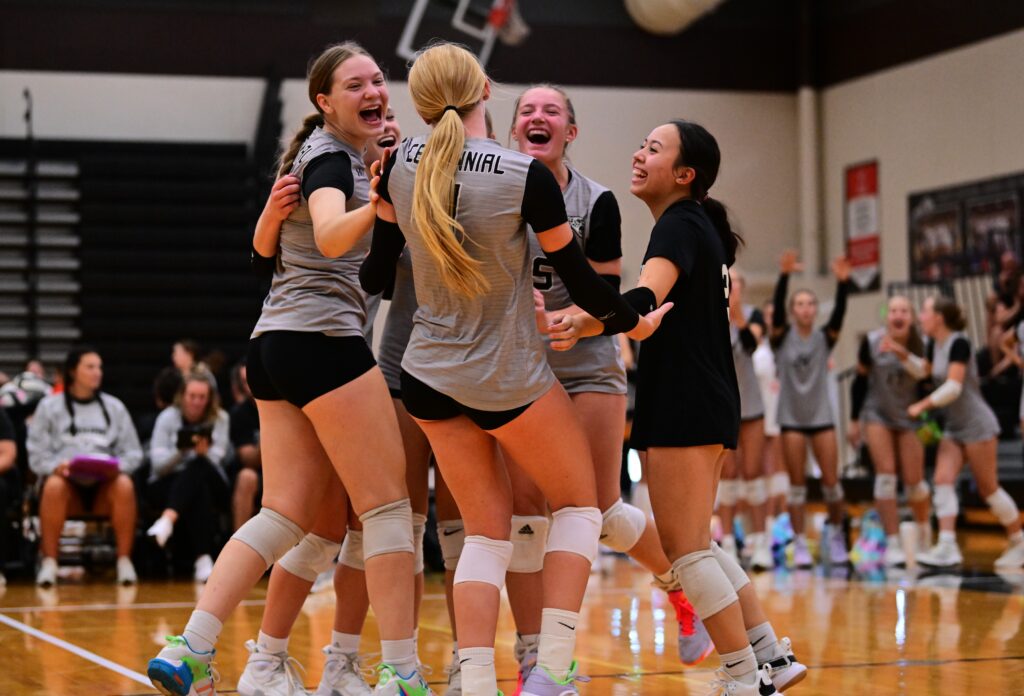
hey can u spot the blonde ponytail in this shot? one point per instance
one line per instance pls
(446, 83)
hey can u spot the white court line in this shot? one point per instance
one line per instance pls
(75, 650)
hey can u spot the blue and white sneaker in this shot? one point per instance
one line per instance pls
(178, 670)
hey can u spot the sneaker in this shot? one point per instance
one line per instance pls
(343, 675)
(894, 556)
(542, 683)
(527, 663)
(161, 531)
(944, 554)
(801, 554)
(454, 672)
(269, 673)
(837, 553)
(47, 575)
(203, 568)
(725, 685)
(126, 571)
(694, 642)
(761, 558)
(786, 671)
(728, 544)
(390, 684)
(1013, 557)
(180, 671)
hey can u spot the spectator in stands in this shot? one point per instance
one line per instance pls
(36, 367)
(165, 389)
(187, 451)
(66, 429)
(185, 355)
(8, 485)
(245, 437)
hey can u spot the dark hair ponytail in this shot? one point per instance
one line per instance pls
(309, 124)
(699, 149)
(952, 313)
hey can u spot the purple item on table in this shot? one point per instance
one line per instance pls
(90, 469)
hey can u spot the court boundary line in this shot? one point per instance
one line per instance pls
(75, 650)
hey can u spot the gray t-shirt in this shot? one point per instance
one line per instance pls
(398, 324)
(594, 364)
(484, 352)
(803, 380)
(891, 389)
(969, 418)
(311, 292)
(751, 403)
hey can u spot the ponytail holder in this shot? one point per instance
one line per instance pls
(450, 108)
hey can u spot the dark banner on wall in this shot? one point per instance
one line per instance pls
(964, 230)
(862, 226)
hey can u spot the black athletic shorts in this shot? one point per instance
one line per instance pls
(426, 403)
(810, 430)
(300, 366)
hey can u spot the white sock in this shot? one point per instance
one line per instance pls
(1016, 538)
(740, 665)
(161, 531)
(557, 641)
(947, 537)
(272, 644)
(526, 643)
(202, 631)
(763, 641)
(477, 667)
(666, 581)
(400, 654)
(348, 643)
(455, 650)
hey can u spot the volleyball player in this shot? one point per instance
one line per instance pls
(475, 374)
(890, 364)
(771, 461)
(970, 434)
(308, 361)
(805, 412)
(687, 402)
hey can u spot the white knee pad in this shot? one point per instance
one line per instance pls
(575, 530)
(387, 529)
(704, 582)
(834, 493)
(312, 556)
(798, 495)
(919, 491)
(756, 491)
(622, 525)
(419, 529)
(451, 534)
(1003, 507)
(728, 492)
(778, 484)
(484, 560)
(730, 567)
(352, 550)
(885, 486)
(270, 534)
(529, 540)
(945, 501)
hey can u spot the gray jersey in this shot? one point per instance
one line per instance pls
(802, 364)
(594, 364)
(969, 418)
(484, 352)
(311, 292)
(398, 324)
(751, 404)
(891, 389)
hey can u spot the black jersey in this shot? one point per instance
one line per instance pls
(687, 393)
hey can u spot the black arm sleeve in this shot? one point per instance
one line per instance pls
(333, 170)
(543, 206)
(614, 280)
(835, 321)
(587, 290)
(780, 322)
(378, 270)
(864, 353)
(385, 178)
(604, 239)
(6, 426)
(747, 339)
(261, 265)
(858, 393)
(960, 351)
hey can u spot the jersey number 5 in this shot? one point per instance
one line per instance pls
(543, 274)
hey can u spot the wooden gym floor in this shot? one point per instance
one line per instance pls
(907, 634)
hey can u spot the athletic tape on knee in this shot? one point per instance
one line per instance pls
(529, 540)
(1003, 507)
(756, 491)
(452, 535)
(885, 486)
(945, 501)
(270, 534)
(730, 567)
(576, 530)
(728, 492)
(419, 530)
(833, 493)
(312, 556)
(798, 495)
(622, 525)
(704, 582)
(778, 484)
(352, 549)
(484, 560)
(387, 529)
(919, 491)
